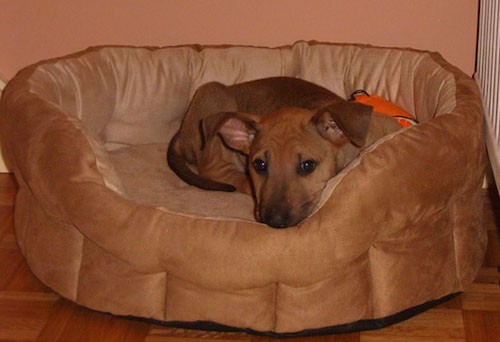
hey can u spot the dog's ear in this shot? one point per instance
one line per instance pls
(344, 121)
(236, 129)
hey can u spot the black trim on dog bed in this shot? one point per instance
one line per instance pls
(361, 325)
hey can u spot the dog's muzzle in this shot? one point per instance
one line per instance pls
(278, 217)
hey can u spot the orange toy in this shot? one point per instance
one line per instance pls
(383, 106)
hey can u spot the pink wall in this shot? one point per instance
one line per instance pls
(31, 30)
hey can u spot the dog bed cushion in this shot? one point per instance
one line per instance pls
(103, 221)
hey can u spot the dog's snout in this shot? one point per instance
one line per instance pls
(278, 221)
(276, 217)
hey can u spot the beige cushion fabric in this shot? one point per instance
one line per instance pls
(103, 221)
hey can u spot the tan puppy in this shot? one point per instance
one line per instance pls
(280, 139)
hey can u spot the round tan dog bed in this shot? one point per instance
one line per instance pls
(104, 222)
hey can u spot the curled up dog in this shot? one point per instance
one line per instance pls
(279, 139)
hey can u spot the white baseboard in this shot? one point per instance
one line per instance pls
(3, 168)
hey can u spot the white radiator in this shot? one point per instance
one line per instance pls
(488, 77)
(3, 168)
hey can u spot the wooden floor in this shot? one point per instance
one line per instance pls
(30, 311)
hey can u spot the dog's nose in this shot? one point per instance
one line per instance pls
(278, 220)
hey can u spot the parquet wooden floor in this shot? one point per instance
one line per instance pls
(30, 311)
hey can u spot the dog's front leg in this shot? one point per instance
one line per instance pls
(220, 164)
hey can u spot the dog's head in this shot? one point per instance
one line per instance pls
(292, 153)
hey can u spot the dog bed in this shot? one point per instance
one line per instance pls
(102, 220)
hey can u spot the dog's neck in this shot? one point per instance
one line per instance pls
(345, 155)
(380, 126)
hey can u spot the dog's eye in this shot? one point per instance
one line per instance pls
(306, 167)
(259, 165)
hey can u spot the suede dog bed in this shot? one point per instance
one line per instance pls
(103, 221)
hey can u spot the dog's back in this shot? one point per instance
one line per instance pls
(271, 94)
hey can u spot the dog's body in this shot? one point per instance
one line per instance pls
(280, 139)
